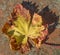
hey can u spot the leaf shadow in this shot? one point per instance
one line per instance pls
(49, 17)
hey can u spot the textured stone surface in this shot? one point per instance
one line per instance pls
(6, 7)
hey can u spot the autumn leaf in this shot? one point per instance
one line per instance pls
(22, 32)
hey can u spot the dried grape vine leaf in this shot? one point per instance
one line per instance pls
(22, 32)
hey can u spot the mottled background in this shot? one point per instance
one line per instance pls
(53, 48)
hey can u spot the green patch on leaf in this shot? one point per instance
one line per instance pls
(10, 33)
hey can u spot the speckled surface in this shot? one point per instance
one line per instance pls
(6, 7)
